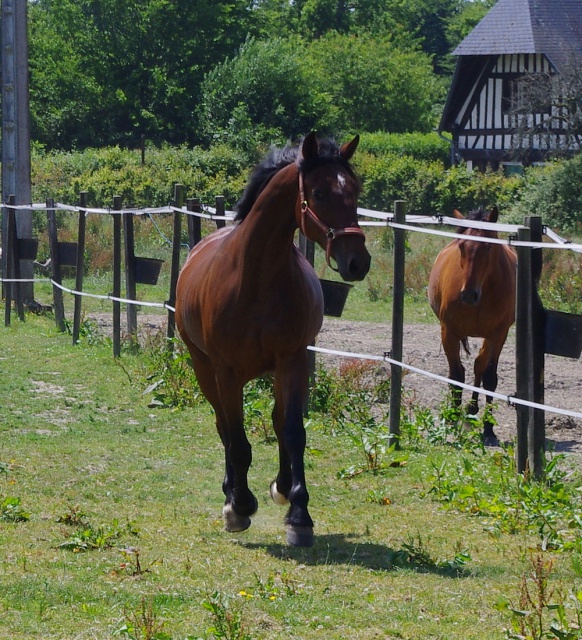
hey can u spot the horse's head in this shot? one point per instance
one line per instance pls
(328, 196)
(475, 254)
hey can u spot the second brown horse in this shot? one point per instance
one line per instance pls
(249, 303)
(472, 292)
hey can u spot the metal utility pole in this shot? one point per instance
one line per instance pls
(16, 127)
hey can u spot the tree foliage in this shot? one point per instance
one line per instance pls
(112, 71)
(146, 58)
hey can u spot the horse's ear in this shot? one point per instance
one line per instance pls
(309, 148)
(349, 148)
(458, 215)
(493, 215)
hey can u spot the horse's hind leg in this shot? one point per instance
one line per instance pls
(290, 485)
(239, 502)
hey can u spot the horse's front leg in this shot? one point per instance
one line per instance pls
(240, 503)
(486, 370)
(452, 348)
(290, 485)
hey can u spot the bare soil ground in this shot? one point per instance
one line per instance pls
(422, 349)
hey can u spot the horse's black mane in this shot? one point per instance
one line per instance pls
(476, 214)
(277, 159)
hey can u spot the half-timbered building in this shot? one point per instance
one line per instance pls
(516, 38)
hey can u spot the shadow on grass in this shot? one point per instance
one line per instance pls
(342, 549)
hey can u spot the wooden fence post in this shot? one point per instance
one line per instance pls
(56, 273)
(194, 222)
(523, 348)
(116, 276)
(397, 323)
(220, 209)
(80, 266)
(130, 288)
(537, 429)
(175, 269)
(13, 289)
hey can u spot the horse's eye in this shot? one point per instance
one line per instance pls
(318, 195)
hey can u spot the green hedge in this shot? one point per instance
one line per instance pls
(411, 167)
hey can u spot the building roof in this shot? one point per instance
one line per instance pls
(549, 27)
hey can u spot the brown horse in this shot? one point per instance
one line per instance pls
(471, 289)
(249, 303)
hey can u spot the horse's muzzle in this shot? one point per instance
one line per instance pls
(470, 297)
(355, 266)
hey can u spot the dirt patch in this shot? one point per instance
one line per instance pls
(422, 349)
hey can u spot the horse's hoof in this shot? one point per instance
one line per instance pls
(300, 536)
(234, 523)
(490, 440)
(278, 498)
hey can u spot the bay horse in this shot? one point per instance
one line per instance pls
(471, 289)
(249, 303)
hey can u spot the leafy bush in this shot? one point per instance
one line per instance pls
(282, 88)
(459, 189)
(553, 192)
(421, 146)
(398, 177)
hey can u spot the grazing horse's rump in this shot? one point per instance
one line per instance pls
(472, 292)
(249, 303)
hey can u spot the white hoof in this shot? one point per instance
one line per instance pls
(278, 498)
(232, 521)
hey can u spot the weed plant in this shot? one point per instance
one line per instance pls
(511, 502)
(171, 379)
(543, 611)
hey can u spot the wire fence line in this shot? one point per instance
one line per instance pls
(414, 223)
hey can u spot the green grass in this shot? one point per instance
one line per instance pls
(78, 441)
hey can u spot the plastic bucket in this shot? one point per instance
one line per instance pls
(147, 270)
(335, 295)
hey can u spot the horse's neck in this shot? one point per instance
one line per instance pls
(270, 225)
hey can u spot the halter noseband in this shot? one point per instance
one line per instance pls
(329, 233)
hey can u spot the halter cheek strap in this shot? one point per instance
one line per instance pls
(329, 233)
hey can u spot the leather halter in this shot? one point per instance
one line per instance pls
(330, 233)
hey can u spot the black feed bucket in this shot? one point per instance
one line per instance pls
(27, 248)
(68, 254)
(335, 295)
(147, 270)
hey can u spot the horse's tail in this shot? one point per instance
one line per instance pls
(465, 343)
